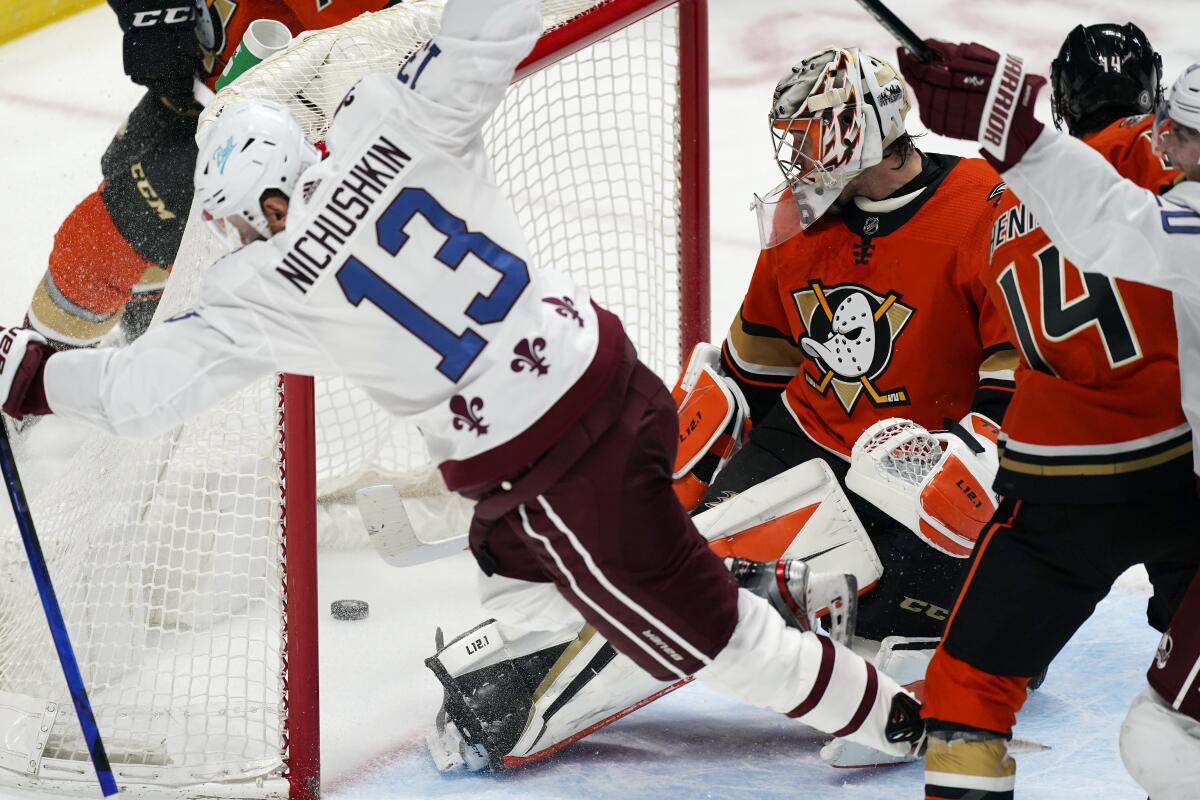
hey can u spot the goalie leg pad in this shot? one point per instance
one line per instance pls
(517, 698)
(560, 692)
(489, 680)
(801, 513)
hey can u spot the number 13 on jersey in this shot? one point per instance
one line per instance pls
(457, 350)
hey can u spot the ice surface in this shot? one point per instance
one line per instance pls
(62, 93)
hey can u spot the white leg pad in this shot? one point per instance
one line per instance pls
(807, 503)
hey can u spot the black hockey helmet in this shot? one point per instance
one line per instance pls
(1102, 73)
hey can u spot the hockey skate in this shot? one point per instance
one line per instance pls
(801, 596)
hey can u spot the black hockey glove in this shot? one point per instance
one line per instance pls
(161, 51)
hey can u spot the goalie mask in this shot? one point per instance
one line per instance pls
(1177, 121)
(251, 150)
(831, 117)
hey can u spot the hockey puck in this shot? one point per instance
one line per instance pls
(349, 609)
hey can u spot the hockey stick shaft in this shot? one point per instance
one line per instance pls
(896, 27)
(54, 617)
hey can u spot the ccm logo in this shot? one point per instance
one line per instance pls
(922, 607)
(167, 16)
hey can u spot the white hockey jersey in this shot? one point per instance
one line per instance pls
(1106, 224)
(403, 268)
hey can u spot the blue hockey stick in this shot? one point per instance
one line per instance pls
(58, 628)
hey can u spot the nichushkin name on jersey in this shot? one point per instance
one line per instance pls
(336, 222)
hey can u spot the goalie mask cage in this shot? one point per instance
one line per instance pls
(186, 566)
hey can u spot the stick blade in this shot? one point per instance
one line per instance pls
(391, 531)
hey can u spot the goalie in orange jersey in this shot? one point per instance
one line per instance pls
(866, 305)
(113, 253)
(866, 326)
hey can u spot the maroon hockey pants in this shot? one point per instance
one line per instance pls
(601, 521)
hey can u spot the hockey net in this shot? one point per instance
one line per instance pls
(184, 564)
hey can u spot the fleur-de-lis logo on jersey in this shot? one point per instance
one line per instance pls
(851, 335)
(529, 357)
(565, 307)
(466, 414)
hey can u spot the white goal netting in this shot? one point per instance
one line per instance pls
(168, 555)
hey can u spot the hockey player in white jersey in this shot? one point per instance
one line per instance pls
(1108, 225)
(398, 264)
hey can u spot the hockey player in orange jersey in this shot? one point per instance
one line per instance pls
(1095, 461)
(113, 253)
(866, 304)
(874, 312)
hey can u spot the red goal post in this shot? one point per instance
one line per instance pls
(694, 326)
(190, 561)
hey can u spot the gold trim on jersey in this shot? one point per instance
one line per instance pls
(1114, 467)
(56, 323)
(769, 352)
(1001, 361)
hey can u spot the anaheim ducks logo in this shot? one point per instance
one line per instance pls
(212, 18)
(851, 334)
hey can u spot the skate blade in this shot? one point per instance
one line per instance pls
(841, 754)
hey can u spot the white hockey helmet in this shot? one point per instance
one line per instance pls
(251, 149)
(833, 115)
(1178, 115)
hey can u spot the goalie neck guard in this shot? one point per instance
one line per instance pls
(832, 117)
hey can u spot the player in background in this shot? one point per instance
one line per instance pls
(1099, 370)
(866, 305)
(113, 253)
(398, 264)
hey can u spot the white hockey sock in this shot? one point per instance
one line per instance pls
(804, 675)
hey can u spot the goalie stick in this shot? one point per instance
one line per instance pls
(54, 617)
(896, 27)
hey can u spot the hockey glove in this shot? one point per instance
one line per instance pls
(161, 51)
(939, 485)
(23, 356)
(714, 421)
(973, 92)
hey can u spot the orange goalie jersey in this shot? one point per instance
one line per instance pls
(871, 314)
(1096, 414)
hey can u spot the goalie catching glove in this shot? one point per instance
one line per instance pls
(23, 356)
(713, 422)
(939, 485)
